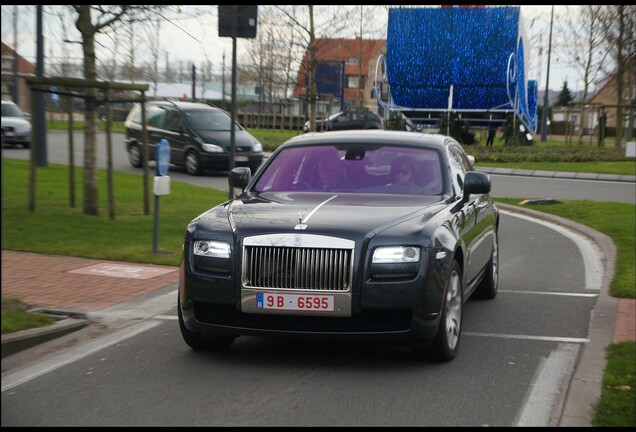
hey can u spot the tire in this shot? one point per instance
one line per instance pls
(193, 163)
(446, 342)
(198, 342)
(134, 156)
(487, 288)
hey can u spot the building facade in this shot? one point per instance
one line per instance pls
(345, 74)
(12, 77)
(604, 101)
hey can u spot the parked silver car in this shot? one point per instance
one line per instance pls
(16, 126)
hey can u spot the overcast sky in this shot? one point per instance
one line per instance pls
(195, 39)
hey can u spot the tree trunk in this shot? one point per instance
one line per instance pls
(87, 30)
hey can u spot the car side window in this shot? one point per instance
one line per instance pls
(155, 116)
(173, 121)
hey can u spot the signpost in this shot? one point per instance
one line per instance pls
(236, 21)
(161, 185)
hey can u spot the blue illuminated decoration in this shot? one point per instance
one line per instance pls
(459, 59)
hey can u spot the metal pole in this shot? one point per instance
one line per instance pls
(40, 113)
(544, 114)
(232, 130)
(194, 81)
(155, 226)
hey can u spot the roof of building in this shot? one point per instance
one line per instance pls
(24, 66)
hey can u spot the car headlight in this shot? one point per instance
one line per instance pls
(212, 148)
(258, 147)
(396, 254)
(212, 249)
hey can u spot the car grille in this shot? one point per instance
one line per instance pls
(297, 268)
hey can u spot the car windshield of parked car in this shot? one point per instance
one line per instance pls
(11, 110)
(208, 120)
(352, 168)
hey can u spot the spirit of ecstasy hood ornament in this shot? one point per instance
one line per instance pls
(301, 225)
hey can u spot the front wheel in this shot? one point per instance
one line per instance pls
(487, 288)
(134, 155)
(193, 163)
(446, 342)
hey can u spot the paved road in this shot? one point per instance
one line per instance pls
(517, 359)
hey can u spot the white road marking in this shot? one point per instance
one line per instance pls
(565, 294)
(529, 337)
(548, 389)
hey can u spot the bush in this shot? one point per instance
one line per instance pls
(521, 153)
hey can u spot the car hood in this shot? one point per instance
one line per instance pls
(341, 215)
(222, 138)
(16, 122)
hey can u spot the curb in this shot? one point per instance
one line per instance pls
(23, 339)
(557, 174)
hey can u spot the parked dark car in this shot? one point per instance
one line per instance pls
(369, 257)
(345, 120)
(119, 111)
(199, 136)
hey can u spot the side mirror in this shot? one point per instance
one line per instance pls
(239, 177)
(476, 183)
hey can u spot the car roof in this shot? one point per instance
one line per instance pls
(184, 105)
(369, 136)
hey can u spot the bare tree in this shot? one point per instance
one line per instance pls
(90, 21)
(271, 59)
(583, 36)
(618, 24)
(321, 23)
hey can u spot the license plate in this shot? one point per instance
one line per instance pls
(9, 133)
(240, 158)
(295, 302)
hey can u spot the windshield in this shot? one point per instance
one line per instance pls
(354, 168)
(209, 120)
(11, 110)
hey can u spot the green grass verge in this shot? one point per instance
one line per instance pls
(15, 316)
(617, 405)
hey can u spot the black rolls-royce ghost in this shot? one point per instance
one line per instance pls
(353, 234)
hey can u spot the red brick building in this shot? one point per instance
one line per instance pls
(359, 57)
(25, 69)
